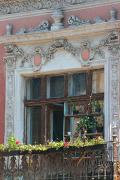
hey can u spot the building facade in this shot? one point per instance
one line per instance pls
(59, 62)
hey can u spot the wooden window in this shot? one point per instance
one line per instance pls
(49, 97)
(33, 88)
(98, 81)
(77, 84)
(33, 125)
(56, 87)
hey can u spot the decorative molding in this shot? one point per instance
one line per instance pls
(112, 41)
(43, 27)
(48, 54)
(10, 61)
(113, 14)
(76, 21)
(12, 48)
(92, 50)
(60, 43)
(11, 7)
(10, 99)
(112, 38)
(12, 53)
(98, 19)
(67, 33)
(58, 17)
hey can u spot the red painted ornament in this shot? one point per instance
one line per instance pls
(37, 59)
(85, 54)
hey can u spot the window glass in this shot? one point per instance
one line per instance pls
(98, 81)
(33, 125)
(77, 84)
(33, 88)
(56, 87)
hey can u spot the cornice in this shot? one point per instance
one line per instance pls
(68, 33)
(23, 8)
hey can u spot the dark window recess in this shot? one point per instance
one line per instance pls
(57, 125)
(33, 89)
(57, 87)
(78, 84)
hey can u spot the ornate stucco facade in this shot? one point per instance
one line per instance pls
(59, 43)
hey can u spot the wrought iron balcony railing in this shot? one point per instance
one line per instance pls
(84, 163)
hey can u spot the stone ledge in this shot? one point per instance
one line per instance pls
(68, 33)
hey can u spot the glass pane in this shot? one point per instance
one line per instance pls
(98, 81)
(33, 125)
(77, 84)
(57, 86)
(33, 88)
(57, 125)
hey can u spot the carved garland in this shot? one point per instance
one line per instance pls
(48, 54)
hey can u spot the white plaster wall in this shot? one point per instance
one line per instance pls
(62, 61)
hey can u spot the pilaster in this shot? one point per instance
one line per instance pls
(10, 91)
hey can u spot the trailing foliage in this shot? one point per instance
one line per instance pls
(14, 145)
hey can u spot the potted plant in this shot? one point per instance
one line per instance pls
(86, 123)
(96, 106)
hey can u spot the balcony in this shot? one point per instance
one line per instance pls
(63, 163)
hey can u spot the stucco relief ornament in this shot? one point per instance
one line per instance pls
(113, 14)
(76, 21)
(9, 29)
(57, 44)
(12, 54)
(58, 19)
(38, 59)
(88, 53)
(85, 53)
(98, 19)
(112, 38)
(9, 59)
(9, 48)
(112, 41)
(42, 27)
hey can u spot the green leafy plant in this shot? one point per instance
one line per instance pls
(95, 106)
(12, 142)
(13, 145)
(86, 123)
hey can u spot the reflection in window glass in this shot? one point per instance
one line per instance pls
(33, 88)
(98, 81)
(77, 84)
(57, 86)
